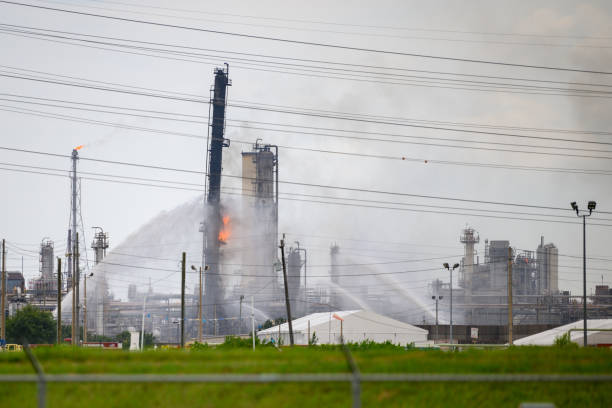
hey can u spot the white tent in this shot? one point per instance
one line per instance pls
(357, 325)
(594, 337)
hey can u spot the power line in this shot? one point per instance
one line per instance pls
(352, 117)
(303, 184)
(309, 43)
(377, 68)
(335, 23)
(344, 203)
(355, 33)
(104, 123)
(310, 133)
(396, 119)
(397, 158)
(373, 78)
(301, 69)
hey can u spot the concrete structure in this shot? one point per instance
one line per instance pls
(594, 337)
(260, 219)
(358, 325)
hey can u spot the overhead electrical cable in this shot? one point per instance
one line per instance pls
(296, 183)
(327, 31)
(377, 68)
(466, 85)
(229, 190)
(336, 23)
(307, 113)
(10, 108)
(308, 43)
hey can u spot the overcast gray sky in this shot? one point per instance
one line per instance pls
(564, 34)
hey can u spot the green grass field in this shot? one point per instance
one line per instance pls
(312, 360)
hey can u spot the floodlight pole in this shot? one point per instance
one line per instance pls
(451, 306)
(591, 207)
(450, 270)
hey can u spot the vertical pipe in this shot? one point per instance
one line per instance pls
(510, 318)
(215, 319)
(77, 274)
(309, 332)
(3, 297)
(437, 335)
(183, 301)
(240, 316)
(85, 309)
(59, 300)
(287, 303)
(253, 320)
(144, 307)
(584, 290)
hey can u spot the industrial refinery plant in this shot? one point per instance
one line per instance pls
(246, 272)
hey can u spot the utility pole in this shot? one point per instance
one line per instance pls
(510, 296)
(282, 248)
(200, 317)
(59, 300)
(3, 297)
(85, 309)
(183, 301)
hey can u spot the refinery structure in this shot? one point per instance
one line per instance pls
(239, 271)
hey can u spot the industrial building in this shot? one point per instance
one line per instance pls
(351, 325)
(599, 334)
(480, 296)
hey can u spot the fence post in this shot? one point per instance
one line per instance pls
(356, 381)
(41, 385)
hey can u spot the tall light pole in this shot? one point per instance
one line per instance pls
(591, 206)
(455, 266)
(437, 297)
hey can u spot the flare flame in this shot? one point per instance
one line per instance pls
(226, 230)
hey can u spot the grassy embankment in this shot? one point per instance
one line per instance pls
(313, 360)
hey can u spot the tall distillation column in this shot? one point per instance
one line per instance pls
(74, 257)
(469, 238)
(100, 245)
(213, 287)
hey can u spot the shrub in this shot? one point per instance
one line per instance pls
(565, 340)
(197, 346)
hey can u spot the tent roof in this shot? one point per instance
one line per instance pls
(548, 337)
(366, 317)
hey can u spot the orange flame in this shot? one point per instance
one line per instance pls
(79, 147)
(226, 230)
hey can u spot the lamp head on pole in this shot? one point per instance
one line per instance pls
(455, 266)
(591, 206)
(574, 206)
(445, 264)
(193, 268)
